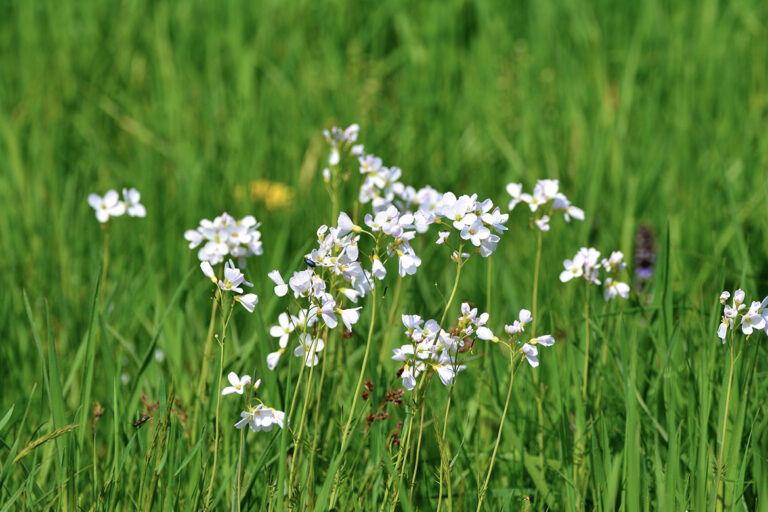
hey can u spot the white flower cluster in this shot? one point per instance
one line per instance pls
(335, 256)
(233, 279)
(586, 265)
(433, 348)
(225, 236)
(515, 332)
(342, 140)
(474, 220)
(737, 314)
(546, 198)
(258, 417)
(430, 348)
(111, 206)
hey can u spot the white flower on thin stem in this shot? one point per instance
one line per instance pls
(308, 348)
(248, 301)
(543, 223)
(208, 271)
(724, 297)
(261, 418)
(346, 225)
(485, 333)
(284, 330)
(752, 319)
(377, 269)
(237, 384)
(280, 287)
(107, 206)
(131, 198)
(233, 278)
(573, 268)
(349, 316)
(524, 318)
(531, 354)
(615, 288)
(442, 237)
(273, 358)
(514, 190)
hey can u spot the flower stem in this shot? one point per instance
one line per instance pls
(719, 468)
(453, 292)
(513, 370)
(534, 307)
(348, 426)
(586, 349)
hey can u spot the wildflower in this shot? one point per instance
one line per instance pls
(615, 288)
(237, 384)
(274, 357)
(531, 354)
(485, 333)
(280, 287)
(442, 237)
(233, 278)
(349, 316)
(524, 318)
(208, 271)
(543, 223)
(248, 301)
(284, 330)
(261, 418)
(131, 198)
(752, 319)
(107, 206)
(226, 236)
(308, 348)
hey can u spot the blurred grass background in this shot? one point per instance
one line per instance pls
(650, 113)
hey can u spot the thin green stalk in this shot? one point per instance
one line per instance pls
(348, 426)
(719, 469)
(418, 449)
(586, 349)
(453, 291)
(206, 359)
(218, 406)
(297, 443)
(534, 306)
(481, 493)
(104, 266)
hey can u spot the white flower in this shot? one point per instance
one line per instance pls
(284, 330)
(238, 384)
(261, 418)
(281, 288)
(724, 297)
(573, 268)
(131, 199)
(233, 278)
(208, 271)
(442, 237)
(543, 223)
(346, 225)
(308, 348)
(378, 270)
(545, 340)
(485, 333)
(248, 301)
(614, 289)
(349, 316)
(514, 190)
(752, 319)
(531, 354)
(273, 358)
(408, 264)
(107, 206)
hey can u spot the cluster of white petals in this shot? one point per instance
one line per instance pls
(112, 206)
(737, 314)
(233, 281)
(545, 201)
(587, 264)
(225, 237)
(258, 417)
(430, 347)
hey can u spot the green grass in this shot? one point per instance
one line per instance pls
(649, 113)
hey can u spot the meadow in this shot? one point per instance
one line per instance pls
(115, 346)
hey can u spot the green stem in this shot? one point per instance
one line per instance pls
(586, 349)
(206, 359)
(534, 306)
(348, 426)
(455, 286)
(481, 493)
(104, 267)
(725, 427)
(418, 449)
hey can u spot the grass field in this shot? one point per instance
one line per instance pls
(650, 114)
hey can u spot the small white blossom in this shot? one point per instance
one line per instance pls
(237, 384)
